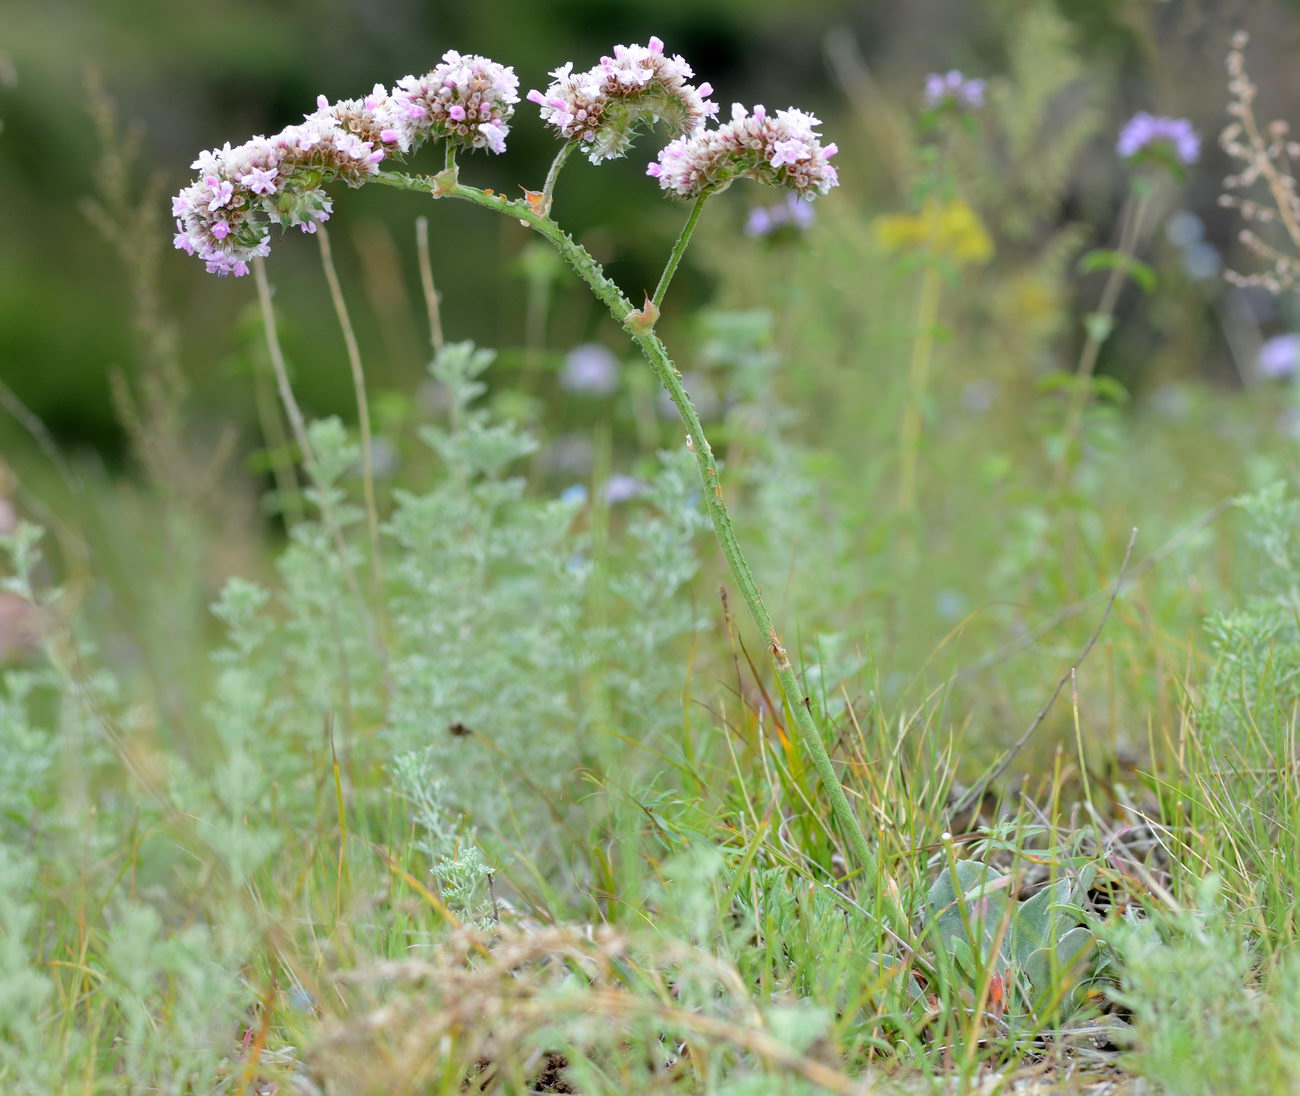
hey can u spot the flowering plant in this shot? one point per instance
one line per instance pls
(602, 108)
(1169, 142)
(953, 89)
(467, 102)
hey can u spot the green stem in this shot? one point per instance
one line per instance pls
(679, 249)
(621, 309)
(548, 188)
(449, 163)
(918, 381)
(1131, 224)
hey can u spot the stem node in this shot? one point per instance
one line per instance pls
(446, 181)
(641, 321)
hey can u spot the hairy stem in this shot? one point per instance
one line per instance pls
(679, 249)
(621, 309)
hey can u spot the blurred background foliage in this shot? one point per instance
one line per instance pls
(194, 75)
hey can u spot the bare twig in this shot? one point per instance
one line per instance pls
(1069, 612)
(976, 790)
(363, 410)
(299, 427)
(426, 281)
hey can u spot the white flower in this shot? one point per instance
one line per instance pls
(466, 99)
(783, 151)
(604, 106)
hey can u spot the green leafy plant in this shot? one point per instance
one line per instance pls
(1043, 949)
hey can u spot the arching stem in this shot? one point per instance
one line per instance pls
(642, 334)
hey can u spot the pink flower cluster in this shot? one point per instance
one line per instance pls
(603, 106)
(782, 150)
(223, 216)
(466, 99)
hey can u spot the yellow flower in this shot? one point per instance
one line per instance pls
(946, 230)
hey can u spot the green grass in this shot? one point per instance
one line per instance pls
(525, 808)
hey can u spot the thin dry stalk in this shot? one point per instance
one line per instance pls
(299, 426)
(426, 281)
(977, 790)
(363, 409)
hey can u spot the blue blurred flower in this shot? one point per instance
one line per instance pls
(953, 89)
(793, 213)
(574, 494)
(621, 488)
(1147, 131)
(591, 369)
(1279, 356)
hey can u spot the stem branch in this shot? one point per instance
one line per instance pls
(548, 188)
(679, 249)
(621, 309)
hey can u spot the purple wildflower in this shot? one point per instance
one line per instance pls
(1279, 357)
(220, 191)
(222, 216)
(953, 89)
(621, 488)
(260, 180)
(1146, 131)
(591, 369)
(794, 213)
